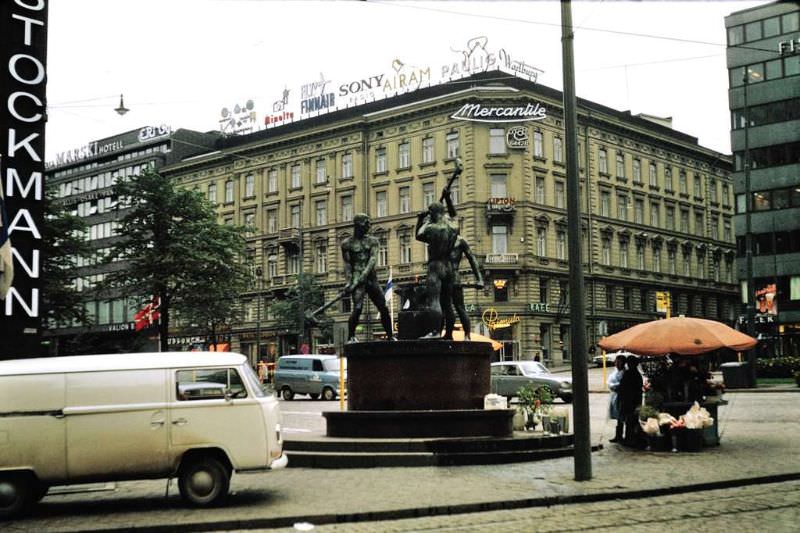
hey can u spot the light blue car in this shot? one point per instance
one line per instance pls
(313, 374)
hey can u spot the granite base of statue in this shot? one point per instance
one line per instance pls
(418, 387)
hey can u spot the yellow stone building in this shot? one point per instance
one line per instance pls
(657, 209)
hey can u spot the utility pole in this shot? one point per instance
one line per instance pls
(580, 380)
(749, 296)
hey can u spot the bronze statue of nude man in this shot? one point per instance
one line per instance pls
(360, 253)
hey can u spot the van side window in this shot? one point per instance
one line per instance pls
(317, 366)
(208, 384)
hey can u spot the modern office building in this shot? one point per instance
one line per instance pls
(763, 57)
(83, 180)
(657, 209)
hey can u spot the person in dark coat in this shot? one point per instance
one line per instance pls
(630, 397)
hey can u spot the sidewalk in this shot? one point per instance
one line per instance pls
(759, 433)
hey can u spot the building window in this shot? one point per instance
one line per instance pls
(640, 256)
(606, 251)
(655, 214)
(404, 155)
(347, 166)
(454, 192)
(500, 290)
(653, 175)
(498, 185)
(229, 191)
(380, 204)
(603, 161)
(637, 171)
(656, 259)
(673, 269)
(272, 181)
(497, 141)
(622, 207)
(539, 190)
(405, 199)
(212, 193)
(620, 166)
(685, 220)
(610, 296)
(272, 221)
(558, 150)
(715, 228)
(427, 194)
(626, 298)
(727, 234)
(644, 300)
(670, 215)
(293, 262)
(294, 216)
(295, 177)
(347, 208)
(452, 145)
(698, 224)
(712, 190)
(405, 248)
(561, 198)
(321, 175)
(380, 160)
(682, 185)
(543, 296)
(250, 222)
(668, 180)
(321, 251)
(428, 155)
(541, 242)
(538, 145)
(499, 239)
(697, 188)
(561, 245)
(687, 263)
(321, 210)
(563, 292)
(605, 204)
(623, 254)
(249, 185)
(383, 251)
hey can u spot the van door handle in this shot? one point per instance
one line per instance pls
(180, 422)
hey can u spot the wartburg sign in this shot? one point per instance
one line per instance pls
(482, 113)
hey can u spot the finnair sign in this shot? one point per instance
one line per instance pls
(481, 113)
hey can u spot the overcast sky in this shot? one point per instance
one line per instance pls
(179, 62)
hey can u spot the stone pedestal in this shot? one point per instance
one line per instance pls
(418, 388)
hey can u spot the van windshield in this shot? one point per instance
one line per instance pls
(251, 377)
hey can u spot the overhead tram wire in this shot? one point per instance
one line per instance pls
(557, 25)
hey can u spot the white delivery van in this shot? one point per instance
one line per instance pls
(197, 416)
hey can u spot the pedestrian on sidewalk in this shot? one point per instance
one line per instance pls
(613, 398)
(630, 397)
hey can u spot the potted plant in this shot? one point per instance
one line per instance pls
(535, 402)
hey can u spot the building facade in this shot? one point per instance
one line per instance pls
(83, 181)
(657, 209)
(763, 58)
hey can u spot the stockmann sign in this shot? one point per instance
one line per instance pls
(481, 113)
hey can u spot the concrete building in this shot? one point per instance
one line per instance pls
(763, 57)
(657, 209)
(83, 180)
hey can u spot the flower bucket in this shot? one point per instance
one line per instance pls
(690, 440)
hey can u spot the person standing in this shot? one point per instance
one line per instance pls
(613, 398)
(630, 397)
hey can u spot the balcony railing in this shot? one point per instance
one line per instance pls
(502, 259)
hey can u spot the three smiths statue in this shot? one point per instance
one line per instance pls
(360, 253)
(439, 231)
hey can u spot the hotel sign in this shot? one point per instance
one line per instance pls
(483, 113)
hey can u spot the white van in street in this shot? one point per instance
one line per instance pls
(197, 416)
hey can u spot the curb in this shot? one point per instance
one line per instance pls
(421, 512)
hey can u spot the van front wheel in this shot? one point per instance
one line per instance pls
(328, 394)
(204, 482)
(15, 495)
(287, 394)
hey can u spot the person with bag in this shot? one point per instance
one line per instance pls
(630, 397)
(614, 380)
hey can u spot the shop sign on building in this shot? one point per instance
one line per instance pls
(502, 205)
(663, 302)
(492, 113)
(493, 321)
(517, 137)
(539, 307)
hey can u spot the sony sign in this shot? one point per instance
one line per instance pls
(23, 56)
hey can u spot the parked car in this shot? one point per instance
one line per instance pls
(610, 358)
(314, 374)
(509, 376)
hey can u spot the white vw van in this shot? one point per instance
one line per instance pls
(196, 416)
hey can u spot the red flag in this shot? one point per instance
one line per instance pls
(148, 315)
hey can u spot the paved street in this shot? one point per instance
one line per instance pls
(759, 431)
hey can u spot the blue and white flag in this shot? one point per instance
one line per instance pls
(6, 260)
(388, 292)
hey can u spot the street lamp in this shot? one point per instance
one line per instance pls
(121, 109)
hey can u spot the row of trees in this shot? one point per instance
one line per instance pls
(173, 248)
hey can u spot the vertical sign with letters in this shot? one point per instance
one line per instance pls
(23, 59)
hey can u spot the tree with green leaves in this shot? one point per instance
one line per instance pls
(291, 311)
(175, 249)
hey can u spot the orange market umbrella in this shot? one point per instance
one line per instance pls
(679, 335)
(458, 335)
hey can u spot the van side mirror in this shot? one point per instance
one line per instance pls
(228, 395)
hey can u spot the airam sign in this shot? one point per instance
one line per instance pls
(493, 113)
(23, 55)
